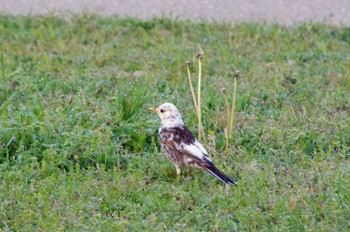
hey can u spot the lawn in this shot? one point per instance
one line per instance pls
(79, 149)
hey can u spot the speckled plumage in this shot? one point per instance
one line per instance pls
(181, 147)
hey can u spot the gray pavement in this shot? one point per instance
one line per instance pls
(286, 12)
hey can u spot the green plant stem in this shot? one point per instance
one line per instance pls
(228, 113)
(199, 114)
(191, 87)
(233, 108)
(226, 139)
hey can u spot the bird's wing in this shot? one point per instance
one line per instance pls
(182, 140)
(193, 152)
(197, 150)
(173, 145)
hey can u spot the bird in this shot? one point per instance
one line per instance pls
(181, 147)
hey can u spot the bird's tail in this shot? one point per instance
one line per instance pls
(218, 174)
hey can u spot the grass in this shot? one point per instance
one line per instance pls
(79, 149)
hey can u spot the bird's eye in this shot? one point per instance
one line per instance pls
(162, 111)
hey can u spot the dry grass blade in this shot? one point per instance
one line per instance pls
(191, 86)
(233, 107)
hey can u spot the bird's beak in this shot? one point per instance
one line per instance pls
(152, 109)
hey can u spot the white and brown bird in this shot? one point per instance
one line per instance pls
(180, 146)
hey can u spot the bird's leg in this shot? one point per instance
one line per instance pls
(178, 171)
(188, 173)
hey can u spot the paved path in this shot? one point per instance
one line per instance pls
(287, 12)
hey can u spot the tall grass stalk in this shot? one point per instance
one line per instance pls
(228, 116)
(233, 106)
(201, 133)
(191, 87)
(199, 99)
(228, 108)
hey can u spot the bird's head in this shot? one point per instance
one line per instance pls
(169, 115)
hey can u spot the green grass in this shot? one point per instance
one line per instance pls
(79, 150)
